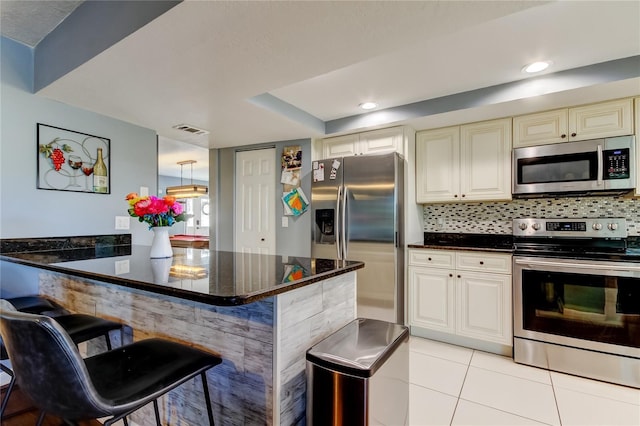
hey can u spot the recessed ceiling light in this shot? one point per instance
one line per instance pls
(536, 67)
(368, 105)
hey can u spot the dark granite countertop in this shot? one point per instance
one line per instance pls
(450, 241)
(501, 243)
(212, 277)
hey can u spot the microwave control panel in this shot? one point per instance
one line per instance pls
(616, 163)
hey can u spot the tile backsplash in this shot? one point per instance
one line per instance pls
(496, 217)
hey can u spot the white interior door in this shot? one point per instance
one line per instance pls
(198, 223)
(255, 200)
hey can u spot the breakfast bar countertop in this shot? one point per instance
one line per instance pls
(214, 277)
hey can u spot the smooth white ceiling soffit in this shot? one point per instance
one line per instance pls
(253, 72)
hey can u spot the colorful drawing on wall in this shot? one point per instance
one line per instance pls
(73, 161)
(296, 202)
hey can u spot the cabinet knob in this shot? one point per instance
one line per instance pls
(455, 196)
(429, 259)
(481, 262)
(573, 134)
(459, 276)
(451, 275)
(564, 135)
(463, 195)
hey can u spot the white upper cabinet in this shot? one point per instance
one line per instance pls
(464, 163)
(380, 141)
(340, 146)
(485, 160)
(437, 159)
(541, 128)
(604, 119)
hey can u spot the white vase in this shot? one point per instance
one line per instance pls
(160, 247)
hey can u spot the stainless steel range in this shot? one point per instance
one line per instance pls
(577, 298)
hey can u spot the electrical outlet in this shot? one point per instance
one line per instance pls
(122, 267)
(285, 222)
(123, 222)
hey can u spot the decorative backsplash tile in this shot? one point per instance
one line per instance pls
(496, 217)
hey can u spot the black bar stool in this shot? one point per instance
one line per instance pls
(80, 328)
(115, 383)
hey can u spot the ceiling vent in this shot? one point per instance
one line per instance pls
(191, 129)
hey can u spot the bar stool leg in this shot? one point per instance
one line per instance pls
(155, 409)
(108, 339)
(206, 397)
(40, 418)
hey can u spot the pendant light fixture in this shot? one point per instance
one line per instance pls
(187, 191)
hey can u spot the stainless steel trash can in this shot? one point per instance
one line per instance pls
(359, 375)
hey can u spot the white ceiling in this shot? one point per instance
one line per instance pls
(201, 62)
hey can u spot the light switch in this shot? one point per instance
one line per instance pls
(122, 267)
(122, 222)
(144, 191)
(285, 222)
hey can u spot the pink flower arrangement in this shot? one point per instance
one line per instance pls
(155, 211)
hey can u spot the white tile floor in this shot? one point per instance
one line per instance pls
(451, 385)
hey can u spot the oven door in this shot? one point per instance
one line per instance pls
(587, 304)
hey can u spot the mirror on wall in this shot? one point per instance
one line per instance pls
(170, 173)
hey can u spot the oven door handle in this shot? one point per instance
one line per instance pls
(608, 266)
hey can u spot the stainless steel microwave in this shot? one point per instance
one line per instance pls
(585, 167)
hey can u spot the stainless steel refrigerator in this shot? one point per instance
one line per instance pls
(356, 203)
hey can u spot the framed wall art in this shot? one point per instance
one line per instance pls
(73, 161)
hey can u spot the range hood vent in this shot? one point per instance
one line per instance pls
(191, 129)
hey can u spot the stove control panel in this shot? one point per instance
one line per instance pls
(589, 228)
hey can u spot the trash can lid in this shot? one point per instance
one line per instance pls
(359, 348)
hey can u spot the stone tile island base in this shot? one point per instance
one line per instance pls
(263, 344)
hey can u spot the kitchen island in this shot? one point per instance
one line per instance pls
(260, 313)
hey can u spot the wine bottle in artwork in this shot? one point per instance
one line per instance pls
(100, 180)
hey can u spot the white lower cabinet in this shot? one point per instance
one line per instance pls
(462, 293)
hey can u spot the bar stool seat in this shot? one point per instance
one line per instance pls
(80, 327)
(32, 304)
(115, 383)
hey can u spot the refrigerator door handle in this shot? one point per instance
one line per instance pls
(343, 231)
(337, 224)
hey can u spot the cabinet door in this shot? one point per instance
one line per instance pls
(484, 307)
(437, 165)
(340, 146)
(432, 299)
(485, 160)
(382, 141)
(605, 119)
(542, 128)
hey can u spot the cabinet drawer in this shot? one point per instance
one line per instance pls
(484, 262)
(438, 258)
